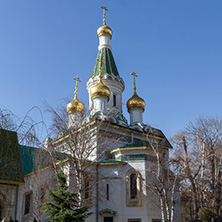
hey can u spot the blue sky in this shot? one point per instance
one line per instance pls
(174, 46)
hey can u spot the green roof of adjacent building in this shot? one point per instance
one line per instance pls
(11, 167)
(36, 158)
(16, 160)
(109, 66)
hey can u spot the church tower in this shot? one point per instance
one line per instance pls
(104, 106)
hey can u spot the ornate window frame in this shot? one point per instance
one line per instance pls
(107, 213)
(135, 201)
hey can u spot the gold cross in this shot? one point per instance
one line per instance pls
(104, 14)
(134, 76)
(100, 67)
(76, 87)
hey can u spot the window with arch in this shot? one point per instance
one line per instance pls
(133, 188)
(114, 100)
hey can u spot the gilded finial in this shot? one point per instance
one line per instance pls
(76, 87)
(104, 14)
(134, 83)
(100, 68)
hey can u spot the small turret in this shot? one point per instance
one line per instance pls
(135, 106)
(75, 109)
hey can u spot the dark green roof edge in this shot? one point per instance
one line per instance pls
(109, 65)
(110, 161)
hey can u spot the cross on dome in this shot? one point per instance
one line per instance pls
(135, 101)
(104, 14)
(134, 77)
(77, 80)
(75, 106)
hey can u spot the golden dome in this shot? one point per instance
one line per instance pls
(104, 29)
(135, 102)
(100, 90)
(75, 106)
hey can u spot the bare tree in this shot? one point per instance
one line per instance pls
(166, 177)
(85, 144)
(190, 167)
(29, 131)
(198, 151)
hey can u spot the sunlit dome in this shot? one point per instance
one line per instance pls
(75, 106)
(100, 90)
(104, 29)
(135, 102)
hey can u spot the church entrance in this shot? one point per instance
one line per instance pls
(108, 219)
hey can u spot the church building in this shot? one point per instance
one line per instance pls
(111, 159)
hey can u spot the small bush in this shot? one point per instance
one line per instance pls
(206, 214)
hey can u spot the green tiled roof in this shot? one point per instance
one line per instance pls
(10, 159)
(109, 65)
(36, 158)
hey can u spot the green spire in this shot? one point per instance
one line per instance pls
(109, 65)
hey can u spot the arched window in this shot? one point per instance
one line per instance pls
(133, 188)
(114, 100)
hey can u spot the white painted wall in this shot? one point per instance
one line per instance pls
(33, 183)
(115, 176)
(104, 41)
(100, 104)
(136, 116)
(7, 200)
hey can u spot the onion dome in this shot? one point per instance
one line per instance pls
(75, 106)
(104, 29)
(100, 90)
(135, 102)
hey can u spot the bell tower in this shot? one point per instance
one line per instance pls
(105, 71)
